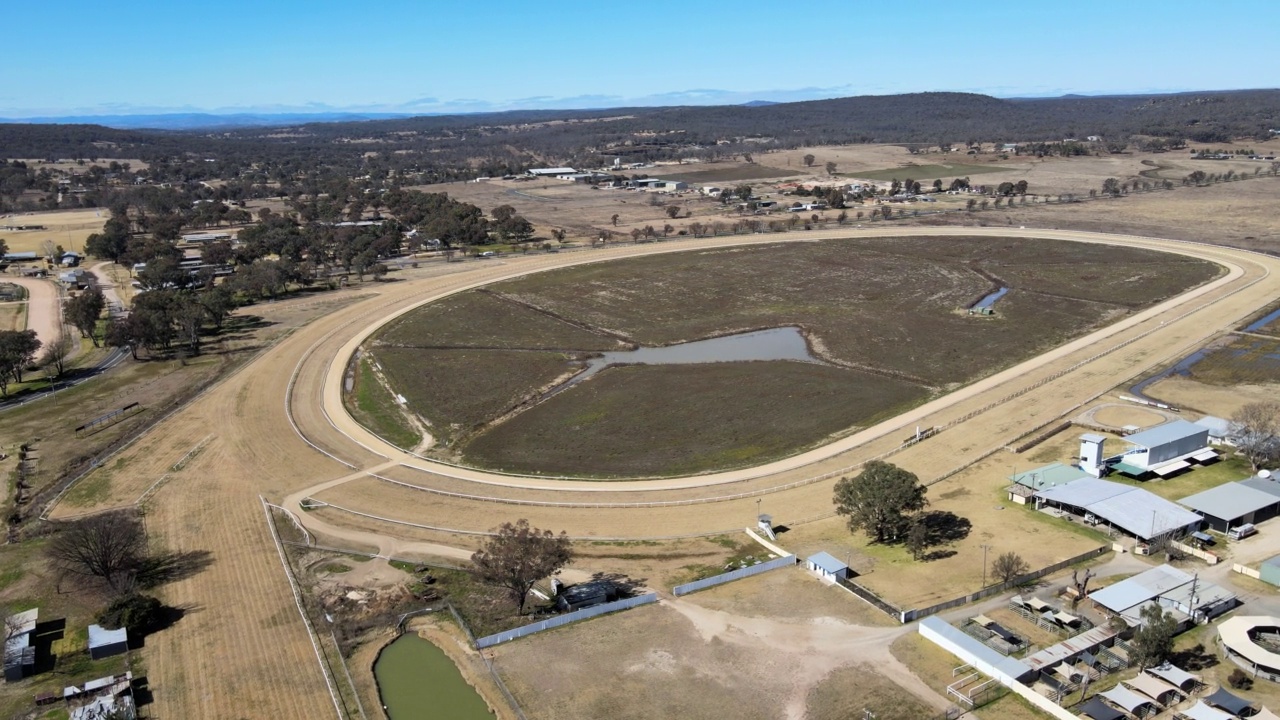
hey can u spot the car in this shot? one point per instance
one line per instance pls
(487, 254)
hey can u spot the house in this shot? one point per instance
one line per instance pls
(1188, 597)
(585, 595)
(1233, 504)
(105, 643)
(78, 278)
(1132, 510)
(19, 650)
(712, 191)
(70, 259)
(827, 568)
(1025, 484)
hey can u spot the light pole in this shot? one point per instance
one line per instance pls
(758, 509)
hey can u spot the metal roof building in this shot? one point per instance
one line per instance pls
(1168, 587)
(827, 566)
(105, 643)
(1232, 505)
(1130, 509)
(1048, 476)
(1165, 449)
(1264, 482)
(973, 651)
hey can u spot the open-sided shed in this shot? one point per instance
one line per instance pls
(1233, 504)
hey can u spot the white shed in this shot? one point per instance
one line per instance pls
(827, 567)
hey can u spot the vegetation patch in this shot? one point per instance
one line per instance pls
(458, 390)
(859, 691)
(375, 408)
(485, 320)
(892, 307)
(711, 416)
(1244, 361)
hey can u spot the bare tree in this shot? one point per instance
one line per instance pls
(1255, 430)
(54, 357)
(517, 556)
(1009, 566)
(110, 546)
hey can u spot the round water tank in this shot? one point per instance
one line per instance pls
(1265, 474)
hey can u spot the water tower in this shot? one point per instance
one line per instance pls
(1091, 454)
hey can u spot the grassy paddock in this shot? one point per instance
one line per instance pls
(894, 305)
(1244, 361)
(711, 416)
(734, 173)
(13, 316)
(848, 691)
(375, 408)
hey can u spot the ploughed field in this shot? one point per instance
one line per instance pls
(885, 320)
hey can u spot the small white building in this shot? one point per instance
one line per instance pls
(551, 172)
(105, 643)
(827, 568)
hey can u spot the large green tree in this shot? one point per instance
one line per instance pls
(880, 500)
(17, 350)
(1153, 642)
(516, 556)
(83, 311)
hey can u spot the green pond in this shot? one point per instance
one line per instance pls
(419, 682)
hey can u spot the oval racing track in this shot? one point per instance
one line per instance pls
(398, 501)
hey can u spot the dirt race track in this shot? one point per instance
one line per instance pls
(278, 429)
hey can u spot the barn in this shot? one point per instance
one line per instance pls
(1233, 504)
(1164, 450)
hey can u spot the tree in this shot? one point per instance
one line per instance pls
(1153, 642)
(517, 556)
(378, 270)
(809, 160)
(673, 211)
(110, 546)
(51, 252)
(1111, 186)
(83, 311)
(743, 192)
(1255, 430)
(17, 350)
(918, 539)
(54, 357)
(133, 611)
(1009, 566)
(831, 168)
(615, 220)
(879, 500)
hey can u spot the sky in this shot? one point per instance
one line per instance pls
(148, 56)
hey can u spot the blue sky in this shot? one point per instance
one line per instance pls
(133, 56)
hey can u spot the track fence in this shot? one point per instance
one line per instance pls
(559, 620)
(732, 575)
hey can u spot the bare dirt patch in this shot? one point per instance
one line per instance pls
(1217, 400)
(1120, 416)
(683, 659)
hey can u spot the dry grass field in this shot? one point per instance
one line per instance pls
(1217, 400)
(13, 316)
(778, 645)
(643, 420)
(68, 228)
(892, 306)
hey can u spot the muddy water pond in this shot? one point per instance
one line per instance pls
(417, 681)
(784, 343)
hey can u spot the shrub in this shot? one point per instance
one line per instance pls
(135, 612)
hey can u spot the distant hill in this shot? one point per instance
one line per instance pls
(200, 121)
(510, 141)
(758, 103)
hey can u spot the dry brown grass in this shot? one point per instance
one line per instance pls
(68, 228)
(13, 316)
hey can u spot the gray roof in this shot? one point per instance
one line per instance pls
(1134, 510)
(1010, 666)
(1266, 485)
(101, 637)
(1126, 698)
(828, 563)
(1093, 437)
(1140, 588)
(1230, 501)
(1166, 433)
(1217, 426)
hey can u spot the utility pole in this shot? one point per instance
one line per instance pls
(758, 509)
(984, 564)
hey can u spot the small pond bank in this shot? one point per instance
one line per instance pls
(417, 680)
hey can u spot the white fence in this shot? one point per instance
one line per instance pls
(732, 575)
(584, 614)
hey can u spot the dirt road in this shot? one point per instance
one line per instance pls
(44, 307)
(279, 430)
